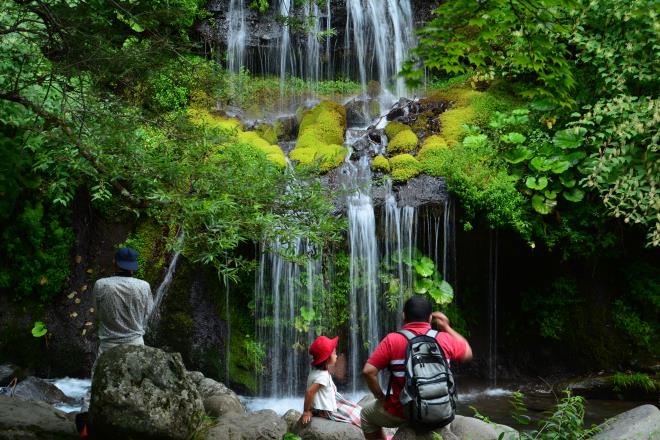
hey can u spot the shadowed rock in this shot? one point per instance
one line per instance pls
(22, 420)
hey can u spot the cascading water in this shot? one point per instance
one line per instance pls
(236, 36)
(280, 297)
(364, 294)
(165, 285)
(378, 37)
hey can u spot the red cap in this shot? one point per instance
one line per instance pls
(322, 348)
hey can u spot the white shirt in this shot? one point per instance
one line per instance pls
(325, 398)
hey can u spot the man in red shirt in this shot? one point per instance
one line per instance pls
(387, 411)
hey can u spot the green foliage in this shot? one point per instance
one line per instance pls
(551, 308)
(564, 422)
(39, 329)
(633, 381)
(515, 39)
(405, 141)
(635, 312)
(404, 167)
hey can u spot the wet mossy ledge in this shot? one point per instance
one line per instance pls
(321, 137)
(264, 139)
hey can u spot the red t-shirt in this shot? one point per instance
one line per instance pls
(391, 352)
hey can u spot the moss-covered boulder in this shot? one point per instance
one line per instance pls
(321, 137)
(405, 141)
(272, 151)
(404, 167)
(381, 164)
(393, 128)
(432, 154)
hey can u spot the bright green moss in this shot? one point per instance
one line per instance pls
(433, 147)
(268, 132)
(380, 163)
(434, 142)
(404, 142)
(393, 128)
(404, 167)
(321, 136)
(453, 121)
(203, 117)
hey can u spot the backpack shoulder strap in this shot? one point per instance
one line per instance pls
(407, 333)
(432, 333)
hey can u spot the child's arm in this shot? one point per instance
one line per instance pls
(309, 398)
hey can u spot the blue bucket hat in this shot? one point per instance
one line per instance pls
(126, 258)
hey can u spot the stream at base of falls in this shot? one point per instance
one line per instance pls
(490, 402)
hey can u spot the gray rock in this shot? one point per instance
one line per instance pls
(141, 392)
(474, 429)
(23, 420)
(291, 417)
(259, 425)
(509, 432)
(219, 405)
(641, 423)
(407, 433)
(196, 376)
(324, 429)
(36, 389)
(209, 387)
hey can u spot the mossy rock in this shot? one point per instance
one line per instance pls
(453, 121)
(404, 142)
(374, 108)
(373, 89)
(201, 117)
(321, 137)
(328, 157)
(380, 163)
(393, 128)
(273, 152)
(404, 167)
(268, 132)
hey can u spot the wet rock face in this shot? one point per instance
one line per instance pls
(141, 392)
(263, 425)
(36, 389)
(324, 429)
(21, 420)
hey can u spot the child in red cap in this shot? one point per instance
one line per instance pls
(322, 398)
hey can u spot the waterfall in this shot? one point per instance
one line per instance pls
(167, 281)
(389, 31)
(364, 262)
(225, 280)
(236, 36)
(392, 245)
(492, 305)
(279, 298)
(285, 9)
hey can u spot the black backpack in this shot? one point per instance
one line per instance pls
(429, 391)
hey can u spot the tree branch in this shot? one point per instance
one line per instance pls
(56, 120)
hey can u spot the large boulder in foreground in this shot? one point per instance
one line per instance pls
(324, 429)
(259, 425)
(218, 398)
(24, 420)
(140, 392)
(639, 423)
(462, 428)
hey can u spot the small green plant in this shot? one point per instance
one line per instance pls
(633, 381)
(304, 319)
(39, 329)
(290, 436)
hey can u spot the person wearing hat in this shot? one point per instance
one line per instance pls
(123, 303)
(321, 397)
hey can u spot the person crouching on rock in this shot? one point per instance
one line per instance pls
(321, 397)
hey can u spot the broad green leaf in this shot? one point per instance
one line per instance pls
(513, 138)
(39, 329)
(518, 154)
(423, 285)
(569, 138)
(542, 205)
(475, 141)
(543, 105)
(537, 184)
(567, 181)
(560, 166)
(424, 267)
(575, 195)
(540, 163)
(307, 314)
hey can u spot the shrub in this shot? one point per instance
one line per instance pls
(404, 142)
(393, 128)
(633, 381)
(380, 163)
(404, 167)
